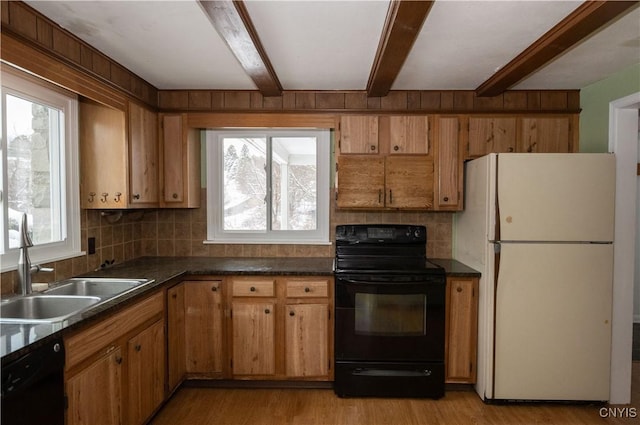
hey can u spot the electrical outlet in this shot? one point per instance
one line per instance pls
(91, 245)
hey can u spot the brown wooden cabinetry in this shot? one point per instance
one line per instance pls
(392, 182)
(409, 134)
(489, 134)
(358, 134)
(118, 157)
(461, 330)
(128, 344)
(449, 165)
(546, 134)
(180, 163)
(143, 154)
(176, 362)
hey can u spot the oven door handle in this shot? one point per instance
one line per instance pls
(383, 283)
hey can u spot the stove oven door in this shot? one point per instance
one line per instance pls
(390, 318)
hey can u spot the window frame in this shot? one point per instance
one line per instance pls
(214, 168)
(31, 88)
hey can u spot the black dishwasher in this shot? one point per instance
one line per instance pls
(33, 387)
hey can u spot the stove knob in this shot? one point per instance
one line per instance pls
(417, 233)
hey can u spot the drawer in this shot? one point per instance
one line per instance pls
(309, 288)
(253, 287)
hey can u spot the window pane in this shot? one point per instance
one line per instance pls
(294, 183)
(244, 184)
(33, 169)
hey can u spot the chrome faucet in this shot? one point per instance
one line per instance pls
(24, 262)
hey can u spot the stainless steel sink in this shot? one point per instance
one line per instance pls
(44, 308)
(95, 287)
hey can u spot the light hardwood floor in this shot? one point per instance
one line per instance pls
(195, 406)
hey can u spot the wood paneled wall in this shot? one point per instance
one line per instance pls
(433, 101)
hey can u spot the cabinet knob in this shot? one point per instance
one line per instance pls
(396, 148)
(91, 196)
(138, 347)
(459, 289)
(136, 196)
(267, 311)
(446, 198)
(510, 149)
(174, 296)
(174, 196)
(119, 360)
(252, 289)
(214, 288)
(307, 289)
(373, 147)
(292, 313)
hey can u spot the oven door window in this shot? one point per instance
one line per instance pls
(390, 314)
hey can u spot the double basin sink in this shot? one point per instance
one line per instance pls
(65, 299)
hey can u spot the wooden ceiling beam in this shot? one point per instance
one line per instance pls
(401, 28)
(580, 24)
(232, 21)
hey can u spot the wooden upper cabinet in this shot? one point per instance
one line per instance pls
(143, 155)
(449, 163)
(359, 134)
(491, 134)
(409, 134)
(409, 182)
(546, 134)
(360, 182)
(180, 172)
(103, 156)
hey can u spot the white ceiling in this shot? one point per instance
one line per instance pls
(331, 45)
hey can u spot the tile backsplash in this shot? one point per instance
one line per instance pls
(180, 232)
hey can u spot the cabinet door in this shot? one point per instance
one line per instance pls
(254, 338)
(358, 134)
(143, 155)
(409, 135)
(360, 182)
(203, 327)
(462, 326)
(175, 338)
(409, 182)
(491, 134)
(103, 156)
(146, 373)
(306, 340)
(180, 174)
(449, 179)
(546, 134)
(95, 393)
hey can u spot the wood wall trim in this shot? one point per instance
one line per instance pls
(35, 32)
(401, 28)
(44, 66)
(221, 120)
(580, 24)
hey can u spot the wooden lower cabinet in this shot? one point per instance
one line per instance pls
(306, 340)
(95, 394)
(146, 369)
(176, 346)
(115, 369)
(461, 330)
(254, 326)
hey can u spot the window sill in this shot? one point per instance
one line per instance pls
(34, 260)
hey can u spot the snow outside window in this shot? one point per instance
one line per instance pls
(269, 186)
(38, 171)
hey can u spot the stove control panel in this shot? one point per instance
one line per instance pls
(381, 234)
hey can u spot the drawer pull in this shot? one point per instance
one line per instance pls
(307, 289)
(292, 313)
(252, 289)
(267, 311)
(138, 347)
(119, 360)
(459, 289)
(214, 288)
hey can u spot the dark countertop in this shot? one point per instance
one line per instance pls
(18, 339)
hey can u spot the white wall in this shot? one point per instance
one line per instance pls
(636, 287)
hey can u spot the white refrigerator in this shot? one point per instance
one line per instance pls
(539, 227)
